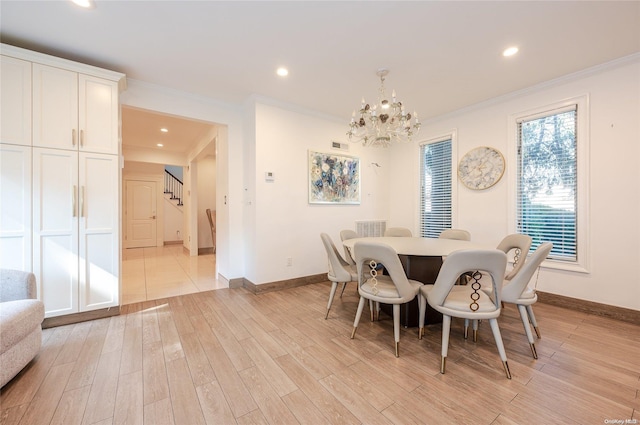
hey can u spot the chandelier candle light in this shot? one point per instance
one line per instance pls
(385, 122)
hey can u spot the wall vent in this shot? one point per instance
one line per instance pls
(370, 228)
(339, 145)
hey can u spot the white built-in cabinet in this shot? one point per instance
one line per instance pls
(15, 207)
(74, 111)
(15, 106)
(75, 229)
(60, 179)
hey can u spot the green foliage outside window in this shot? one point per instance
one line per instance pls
(547, 182)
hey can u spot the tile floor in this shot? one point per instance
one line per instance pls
(160, 272)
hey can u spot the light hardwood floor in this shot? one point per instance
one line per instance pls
(228, 356)
(166, 271)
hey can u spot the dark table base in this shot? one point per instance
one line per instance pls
(425, 270)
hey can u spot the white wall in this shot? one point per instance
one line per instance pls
(190, 209)
(177, 171)
(206, 198)
(155, 156)
(286, 225)
(613, 201)
(142, 168)
(173, 219)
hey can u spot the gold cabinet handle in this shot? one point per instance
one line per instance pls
(82, 201)
(73, 201)
(73, 137)
(81, 137)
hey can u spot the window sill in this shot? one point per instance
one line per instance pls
(565, 266)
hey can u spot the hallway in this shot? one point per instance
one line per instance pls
(167, 271)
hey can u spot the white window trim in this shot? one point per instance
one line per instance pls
(582, 265)
(453, 135)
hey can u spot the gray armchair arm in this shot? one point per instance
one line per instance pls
(17, 285)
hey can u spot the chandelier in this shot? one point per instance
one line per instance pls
(383, 123)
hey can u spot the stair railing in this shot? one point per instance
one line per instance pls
(173, 186)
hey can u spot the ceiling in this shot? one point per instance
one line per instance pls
(142, 129)
(443, 55)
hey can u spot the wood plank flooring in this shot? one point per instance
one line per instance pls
(230, 357)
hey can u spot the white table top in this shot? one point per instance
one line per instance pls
(419, 246)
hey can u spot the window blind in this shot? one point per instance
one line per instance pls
(435, 188)
(547, 181)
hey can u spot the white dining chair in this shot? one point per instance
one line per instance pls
(517, 291)
(346, 235)
(457, 234)
(392, 288)
(516, 246)
(468, 301)
(397, 232)
(339, 270)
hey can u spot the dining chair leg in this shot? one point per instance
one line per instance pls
(498, 337)
(332, 293)
(532, 318)
(372, 310)
(466, 328)
(357, 319)
(344, 285)
(422, 307)
(446, 328)
(475, 330)
(507, 371)
(396, 328)
(527, 329)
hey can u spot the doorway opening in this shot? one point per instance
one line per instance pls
(164, 230)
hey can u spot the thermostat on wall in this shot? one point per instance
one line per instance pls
(268, 176)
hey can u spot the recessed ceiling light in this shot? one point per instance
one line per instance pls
(510, 51)
(282, 71)
(87, 4)
(159, 145)
(164, 130)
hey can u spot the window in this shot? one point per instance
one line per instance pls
(435, 187)
(548, 193)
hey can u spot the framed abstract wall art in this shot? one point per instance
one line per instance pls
(333, 179)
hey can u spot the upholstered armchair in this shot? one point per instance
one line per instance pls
(21, 316)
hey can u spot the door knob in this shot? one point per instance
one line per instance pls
(153, 217)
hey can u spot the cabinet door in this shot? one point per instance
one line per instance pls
(98, 119)
(15, 103)
(55, 107)
(55, 229)
(99, 231)
(15, 207)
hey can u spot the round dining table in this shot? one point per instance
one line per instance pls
(421, 259)
(415, 246)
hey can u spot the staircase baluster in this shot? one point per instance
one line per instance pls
(173, 186)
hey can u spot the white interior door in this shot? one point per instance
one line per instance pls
(141, 213)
